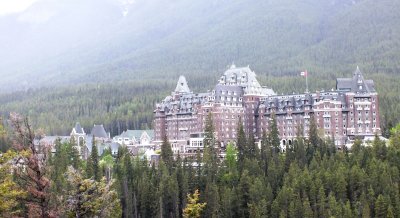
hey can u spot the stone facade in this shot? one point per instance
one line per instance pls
(348, 112)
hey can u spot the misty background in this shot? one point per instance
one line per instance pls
(110, 61)
(63, 42)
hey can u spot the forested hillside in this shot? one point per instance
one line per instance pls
(311, 179)
(68, 42)
(111, 65)
(129, 105)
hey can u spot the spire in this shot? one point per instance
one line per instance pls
(182, 86)
(357, 72)
(358, 80)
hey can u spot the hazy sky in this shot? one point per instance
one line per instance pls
(13, 6)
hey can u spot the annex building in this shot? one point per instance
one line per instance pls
(343, 114)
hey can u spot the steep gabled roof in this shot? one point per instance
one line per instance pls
(355, 84)
(78, 129)
(245, 78)
(136, 133)
(182, 86)
(99, 131)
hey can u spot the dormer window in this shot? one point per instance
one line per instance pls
(360, 87)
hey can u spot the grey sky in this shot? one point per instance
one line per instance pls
(14, 6)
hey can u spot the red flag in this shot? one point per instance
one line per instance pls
(304, 73)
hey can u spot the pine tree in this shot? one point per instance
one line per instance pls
(390, 212)
(169, 194)
(199, 182)
(90, 198)
(253, 150)
(211, 198)
(258, 205)
(94, 157)
(193, 208)
(321, 202)
(74, 157)
(380, 206)
(241, 145)
(167, 156)
(273, 135)
(347, 212)
(244, 193)
(58, 165)
(210, 158)
(379, 148)
(227, 208)
(313, 136)
(265, 152)
(10, 192)
(182, 184)
(308, 213)
(395, 136)
(33, 172)
(334, 207)
(299, 148)
(124, 175)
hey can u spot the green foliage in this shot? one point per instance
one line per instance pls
(273, 135)
(307, 180)
(193, 208)
(10, 192)
(241, 144)
(167, 154)
(94, 161)
(90, 198)
(65, 155)
(395, 136)
(210, 157)
(5, 142)
(107, 163)
(331, 37)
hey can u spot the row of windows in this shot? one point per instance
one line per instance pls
(362, 99)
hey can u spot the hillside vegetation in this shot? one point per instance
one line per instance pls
(160, 38)
(98, 66)
(129, 105)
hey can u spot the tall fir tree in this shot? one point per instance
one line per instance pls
(167, 155)
(252, 147)
(313, 136)
(182, 184)
(381, 206)
(273, 135)
(265, 152)
(241, 144)
(210, 157)
(94, 157)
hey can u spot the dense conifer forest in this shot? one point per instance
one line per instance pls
(129, 105)
(311, 179)
(113, 68)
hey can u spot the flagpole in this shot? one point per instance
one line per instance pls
(306, 81)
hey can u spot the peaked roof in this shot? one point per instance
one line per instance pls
(99, 131)
(355, 84)
(136, 133)
(245, 78)
(79, 129)
(182, 86)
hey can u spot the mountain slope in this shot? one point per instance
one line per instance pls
(92, 40)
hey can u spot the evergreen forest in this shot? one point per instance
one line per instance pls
(130, 104)
(311, 179)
